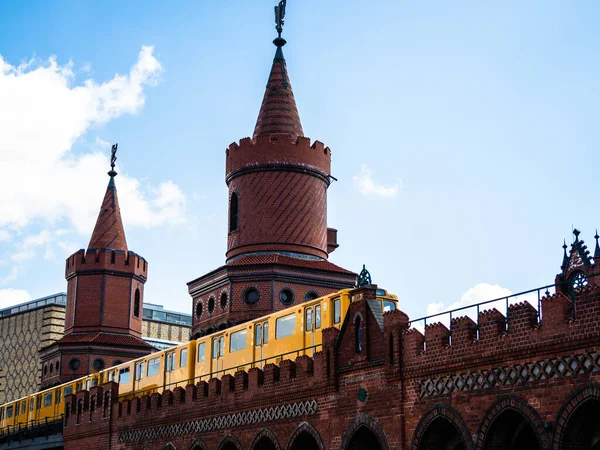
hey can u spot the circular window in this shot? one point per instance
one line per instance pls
(251, 296)
(199, 309)
(98, 364)
(310, 296)
(286, 296)
(223, 300)
(578, 280)
(211, 305)
(117, 362)
(74, 364)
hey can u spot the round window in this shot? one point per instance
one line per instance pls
(199, 309)
(74, 364)
(310, 296)
(98, 364)
(211, 305)
(286, 296)
(251, 296)
(223, 300)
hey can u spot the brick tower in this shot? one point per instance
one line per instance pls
(105, 290)
(278, 241)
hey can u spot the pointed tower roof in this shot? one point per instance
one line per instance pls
(278, 113)
(109, 231)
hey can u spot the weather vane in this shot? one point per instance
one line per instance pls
(113, 160)
(279, 16)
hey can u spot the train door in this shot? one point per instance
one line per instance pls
(218, 350)
(309, 330)
(169, 368)
(261, 340)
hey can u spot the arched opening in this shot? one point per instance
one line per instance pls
(357, 334)
(510, 430)
(441, 434)
(136, 303)
(364, 439)
(264, 443)
(233, 213)
(304, 441)
(228, 446)
(582, 430)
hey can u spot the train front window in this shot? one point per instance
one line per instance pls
(285, 326)
(337, 311)
(381, 292)
(201, 351)
(153, 366)
(124, 375)
(47, 399)
(388, 306)
(237, 341)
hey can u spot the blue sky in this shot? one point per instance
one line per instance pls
(464, 135)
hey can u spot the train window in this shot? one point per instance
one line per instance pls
(57, 397)
(285, 326)
(265, 332)
(94, 382)
(258, 335)
(38, 402)
(47, 399)
(87, 385)
(237, 341)
(388, 306)
(139, 371)
(124, 375)
(31, 404)
(78, 386)
(1, 414)
(317, 317)
(215, 351)
(337, 313)
(183, 357)
(201, 351)
(111, 375)
(153, 366)
(310, 296)
(170, 361)
(23, 406)
(221, 346)
(309, 314)
(9, 412)
(381, 292)
(68, 390)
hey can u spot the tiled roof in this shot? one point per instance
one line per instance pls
(109, 231)
(252, 260)
(121, 340)
(278, 112)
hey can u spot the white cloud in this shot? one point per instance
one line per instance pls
(10, 297)
(43, 111)
(367, 186)
(42, 114)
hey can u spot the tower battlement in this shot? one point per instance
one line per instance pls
(277, 152)
(92, 260)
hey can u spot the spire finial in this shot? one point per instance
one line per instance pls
(576, 232)
(113, 159)
(597, 251)
(279, 16)
(565, 257)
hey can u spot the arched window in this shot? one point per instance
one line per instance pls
(233, 213)
(357, 334)
(136, 303)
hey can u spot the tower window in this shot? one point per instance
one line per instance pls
(211, 305)
(223, 300)
(199, 309)
(233, 213)
(358, 335)
(251, 296)
(136, 303)
(286, 296)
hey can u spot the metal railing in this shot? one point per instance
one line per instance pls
(507, 301)
(32, 429)
(220, 372)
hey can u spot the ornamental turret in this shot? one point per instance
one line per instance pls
(105, 290)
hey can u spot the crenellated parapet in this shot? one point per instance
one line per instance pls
(94, 260)
(277, 152)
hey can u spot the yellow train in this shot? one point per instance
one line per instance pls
(285, 334)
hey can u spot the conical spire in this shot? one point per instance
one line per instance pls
(597, 251)
(109, 231)
(565, 257)
(278, 113)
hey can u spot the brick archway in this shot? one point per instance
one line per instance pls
(369, 422)
(442, 412)
(228, 442)
(265, 433)
(578, 399)
(198, 444)
(510, 404)
(305, 428)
